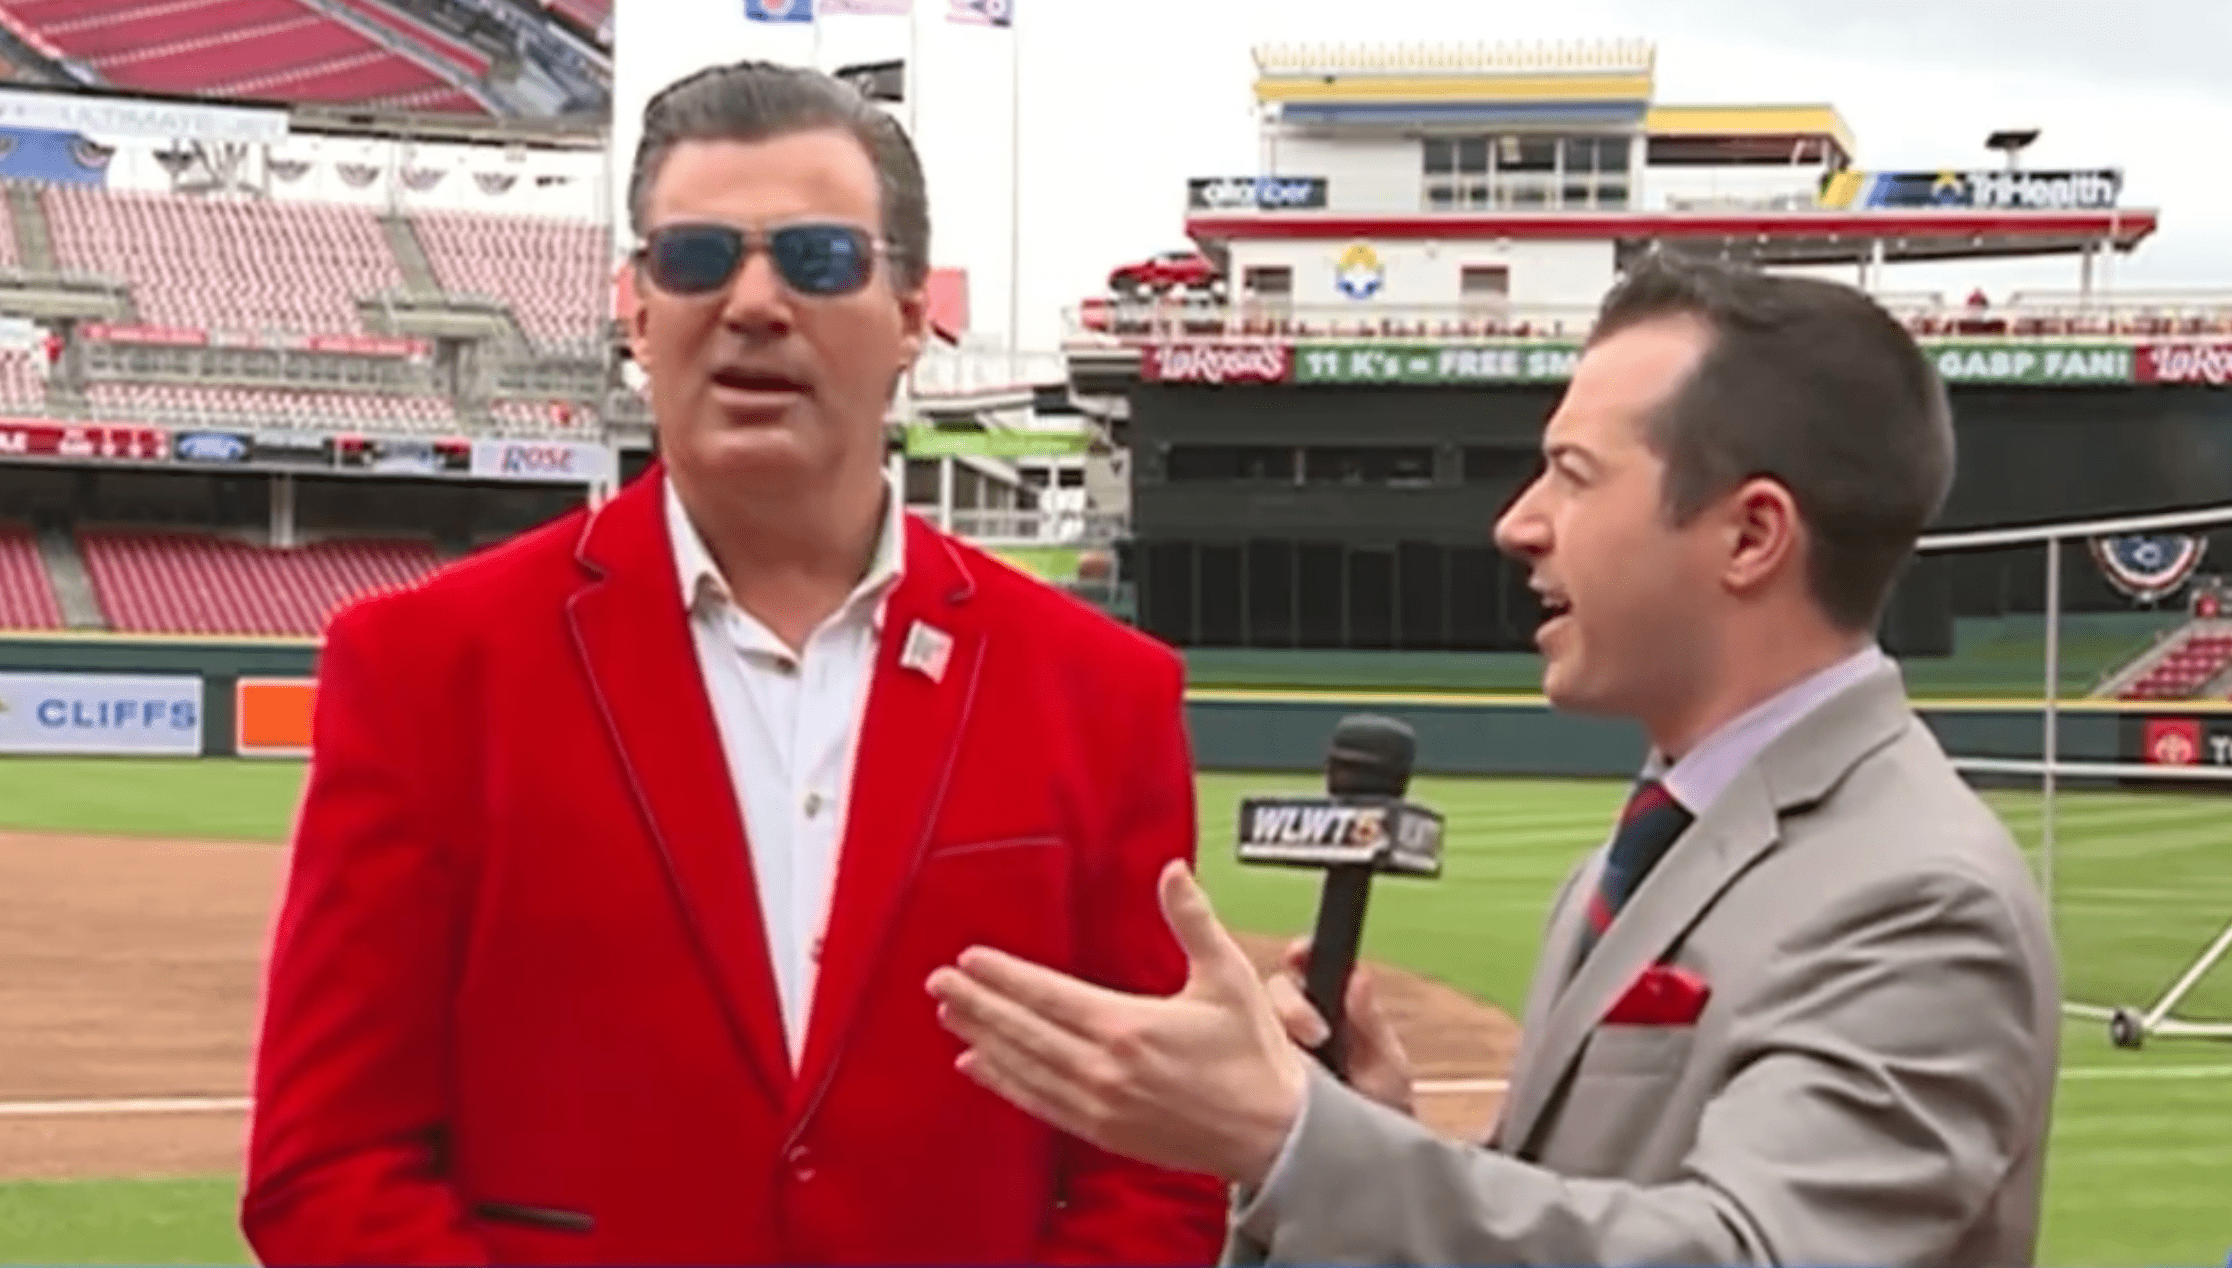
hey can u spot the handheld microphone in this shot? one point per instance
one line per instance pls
(1361, 826)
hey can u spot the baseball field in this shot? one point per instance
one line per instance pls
(135, 897)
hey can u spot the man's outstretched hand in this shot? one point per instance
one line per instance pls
(1205, 1080)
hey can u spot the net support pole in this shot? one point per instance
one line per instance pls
(2049, 742)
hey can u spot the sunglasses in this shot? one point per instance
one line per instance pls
(813, 259)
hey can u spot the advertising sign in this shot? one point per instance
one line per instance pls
(2197, 363)
(563, 461)
(403, 457)
(2001, 190)
(1256, 193)
(1436, 363)
(925, 441)
(61, 110)
(294, 448)
(367, 345)
(101, 713)
(1972, 362)
(1216, 363)
(212, 447)
(170, 336)
(2186, 741)
(2034, 363)
(272, 716)
(28, 438)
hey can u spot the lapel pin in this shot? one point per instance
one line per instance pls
(927, 650)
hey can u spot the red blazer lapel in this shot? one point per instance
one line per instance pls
(910, 735)
(633, 637)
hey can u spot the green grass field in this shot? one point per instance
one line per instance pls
(2142, 1150)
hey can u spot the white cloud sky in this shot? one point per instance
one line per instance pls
(1124, 101)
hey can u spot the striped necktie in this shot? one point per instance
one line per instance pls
(1649, 824)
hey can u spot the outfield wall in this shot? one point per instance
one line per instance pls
(115, 694)
(1517, 735)
(64, 694)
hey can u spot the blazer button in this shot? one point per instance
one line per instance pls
(802, 1163)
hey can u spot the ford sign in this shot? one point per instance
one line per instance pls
(211, 446)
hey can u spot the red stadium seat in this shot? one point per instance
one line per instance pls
(553, 273)
(2196, 658)
(227, 264)
(26, 595)
(190, 583)
(246, 407)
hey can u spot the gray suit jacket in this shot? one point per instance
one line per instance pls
(1869, 1082)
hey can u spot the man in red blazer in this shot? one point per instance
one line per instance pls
(627, 846)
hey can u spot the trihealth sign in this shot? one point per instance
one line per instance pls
(1435, 364)
(101, 713)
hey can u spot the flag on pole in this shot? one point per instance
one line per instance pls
(868, 8)
(981, 12)
(779, 10)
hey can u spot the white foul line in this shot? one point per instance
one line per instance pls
(130, 1105)
(2148, 1072)
(1424, 1087)
(2083, 1073)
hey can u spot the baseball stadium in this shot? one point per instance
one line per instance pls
(302, 301)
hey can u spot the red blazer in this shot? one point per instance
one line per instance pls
(519, 1003)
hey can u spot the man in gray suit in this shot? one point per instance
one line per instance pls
(1801, 1008)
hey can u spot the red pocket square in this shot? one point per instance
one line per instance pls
(1662, 995)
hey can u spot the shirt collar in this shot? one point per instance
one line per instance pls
(701, 580)
(1706, 771)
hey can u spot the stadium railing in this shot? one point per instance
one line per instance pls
(2165, 920)
(2041, 315)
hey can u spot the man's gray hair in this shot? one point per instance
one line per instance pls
(754, 101)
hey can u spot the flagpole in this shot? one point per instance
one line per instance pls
(814, 20)
(910, 75)
(1015, 191)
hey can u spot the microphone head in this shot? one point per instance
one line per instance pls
(1370, 756)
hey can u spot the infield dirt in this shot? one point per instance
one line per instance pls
(130, 969)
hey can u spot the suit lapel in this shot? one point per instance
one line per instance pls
(1792, 774)
(910, 737)
(633, 637)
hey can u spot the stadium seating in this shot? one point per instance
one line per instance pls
(26, 596)
(281, 49)
(590, 15)
(22, 381)
(185, 583)
(539, 418)
(178, 405)
(226, 264)
(2193, 660)
(552, 273)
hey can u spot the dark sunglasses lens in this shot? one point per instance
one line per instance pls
(694, 259)
(823, 259)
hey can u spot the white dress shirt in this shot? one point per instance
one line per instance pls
(1700, 777)
(789, 725)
